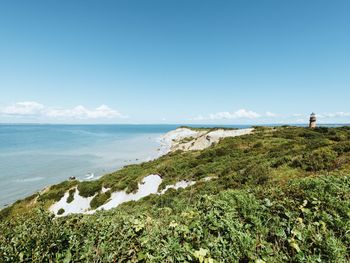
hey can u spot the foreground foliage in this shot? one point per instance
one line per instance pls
(307, 220)
(278, 195)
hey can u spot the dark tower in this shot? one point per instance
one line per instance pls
(312, 124)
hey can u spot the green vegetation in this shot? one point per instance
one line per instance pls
(60, 211)
(187, 139)
(277, 195)
(71, 195)
(306, 220)
(56, 192)
(100, 199)
(89, 188)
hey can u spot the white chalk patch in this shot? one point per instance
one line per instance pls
(178, 185)
(104, 189)
(149, 185)
(78, 205)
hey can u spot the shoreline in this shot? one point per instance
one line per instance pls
(164, 144)
(73, 154)
(171, 141)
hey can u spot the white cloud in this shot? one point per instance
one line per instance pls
(334, 115)
(23, 108)
(240, 114)
(36, 109)
(80, 112)
(270, 114)
(300, 121)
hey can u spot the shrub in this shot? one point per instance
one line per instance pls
(55, 195)
(56, 192)
(342, 147)
(100, 199)
(312, 134)
(256, 174)
(87, 189)
(319, 160)
(132, 186)
(258, 145)
(60, 211)
(71, 195)
(281, 161)
(5, 212)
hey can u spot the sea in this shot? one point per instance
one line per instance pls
(33, 156)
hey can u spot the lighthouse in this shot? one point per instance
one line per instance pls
(312, 124)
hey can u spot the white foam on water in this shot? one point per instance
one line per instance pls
(32, 179)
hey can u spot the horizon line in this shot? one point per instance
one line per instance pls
(181, 124)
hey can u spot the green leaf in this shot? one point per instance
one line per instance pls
(68, 257)
(295, 245)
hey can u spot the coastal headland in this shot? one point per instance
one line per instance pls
(265, 194)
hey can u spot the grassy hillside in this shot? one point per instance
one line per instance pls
(277, 195)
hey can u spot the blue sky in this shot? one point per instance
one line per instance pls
(174, 61)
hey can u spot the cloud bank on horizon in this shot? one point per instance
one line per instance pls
(32, 109)
(35, 111)
(270, 117)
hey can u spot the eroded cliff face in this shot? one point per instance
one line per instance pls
(186, 139)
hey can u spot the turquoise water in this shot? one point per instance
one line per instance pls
(34, 156)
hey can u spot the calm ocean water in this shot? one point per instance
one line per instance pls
(34, 156)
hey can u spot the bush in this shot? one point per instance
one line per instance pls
(100, 199)
(320, 160)
(56, 192)
(258, 145)
(284, 160)
(60, 211)
(90, 188)
(71, 195)
(342, 147)
(256, 174)
(5, 212)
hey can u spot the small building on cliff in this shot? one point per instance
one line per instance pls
(312, 123)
